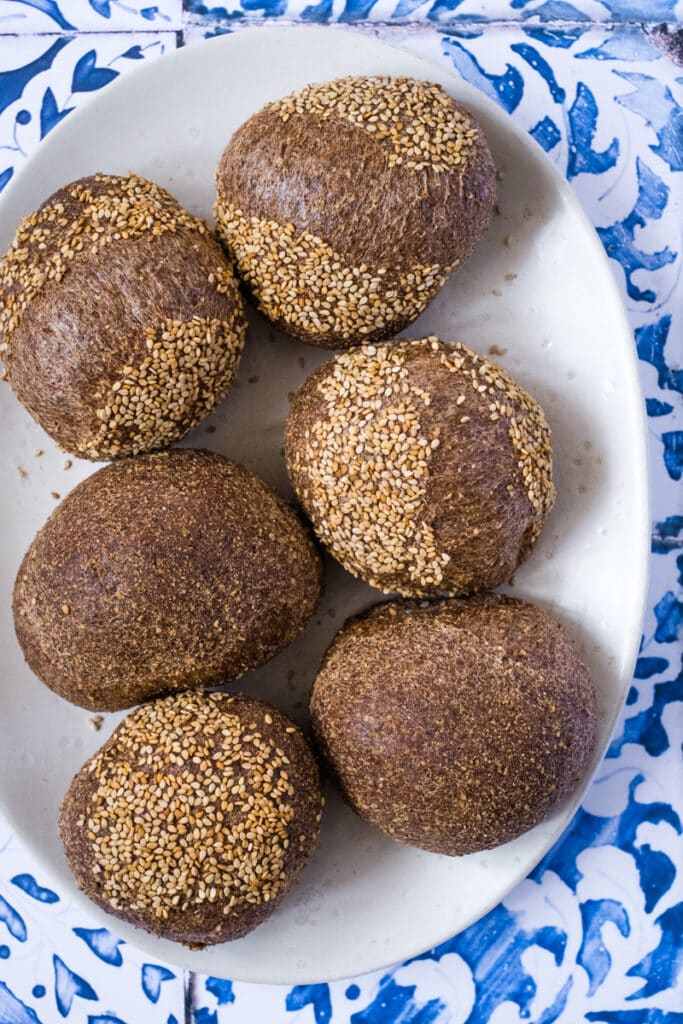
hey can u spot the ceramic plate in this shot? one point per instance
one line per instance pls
(539, 288)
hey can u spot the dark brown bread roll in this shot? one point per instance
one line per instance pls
(195, 818)
(348, 204)
(424, 467)
(458, 725)
(121, 325)
(163, 572)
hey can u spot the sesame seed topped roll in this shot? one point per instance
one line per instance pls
(121, 325)
(195, 818)
(424, 468)
(348, 204)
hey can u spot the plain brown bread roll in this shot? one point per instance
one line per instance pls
(226, 800)
(163, 572)
(458, 725)
(121, 325)
(346, 205)
(424, 468)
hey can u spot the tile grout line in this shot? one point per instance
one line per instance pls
(249, 22)
(77, 33)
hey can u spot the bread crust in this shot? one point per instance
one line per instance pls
(169, 571)
(458, 725)
(226, 800)
(424, 468)
(120, 317)
(338, 235)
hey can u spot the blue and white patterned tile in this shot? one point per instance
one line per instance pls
(40, 16)
(58, 963)
(594, 933)
(44, 77)
(440, 12)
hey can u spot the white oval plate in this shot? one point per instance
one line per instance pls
(364, 901)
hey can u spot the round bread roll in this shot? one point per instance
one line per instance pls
(458, 725)
(225, 797)
(163, 572)
(121, 324)
(348, 204)
(424, 468)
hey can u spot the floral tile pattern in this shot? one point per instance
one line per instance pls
(45, 77)
(443, 12)
(595, 933)
(33, 16)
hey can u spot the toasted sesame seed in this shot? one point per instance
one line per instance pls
(358, 302)
(414, 119)
(367, 465)
(363, 465)
(188, 367)
(165, 832)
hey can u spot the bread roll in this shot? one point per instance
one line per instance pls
(347, 205)
(424, 468)
(195, 818)
(458, 725)
(121, 325)
(163, 572)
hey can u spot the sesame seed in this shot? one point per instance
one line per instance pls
(359, 303)
(414, 119)
(165, 830)
(363, 465)
(189, 367)
(366, 467)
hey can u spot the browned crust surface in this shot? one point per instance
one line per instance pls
(423, 467)
(327, 186)
(163, 572)
(195, 818)
(455, 726)
(96, 301)
(335, 181)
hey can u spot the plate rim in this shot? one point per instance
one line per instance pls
(641, 499)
